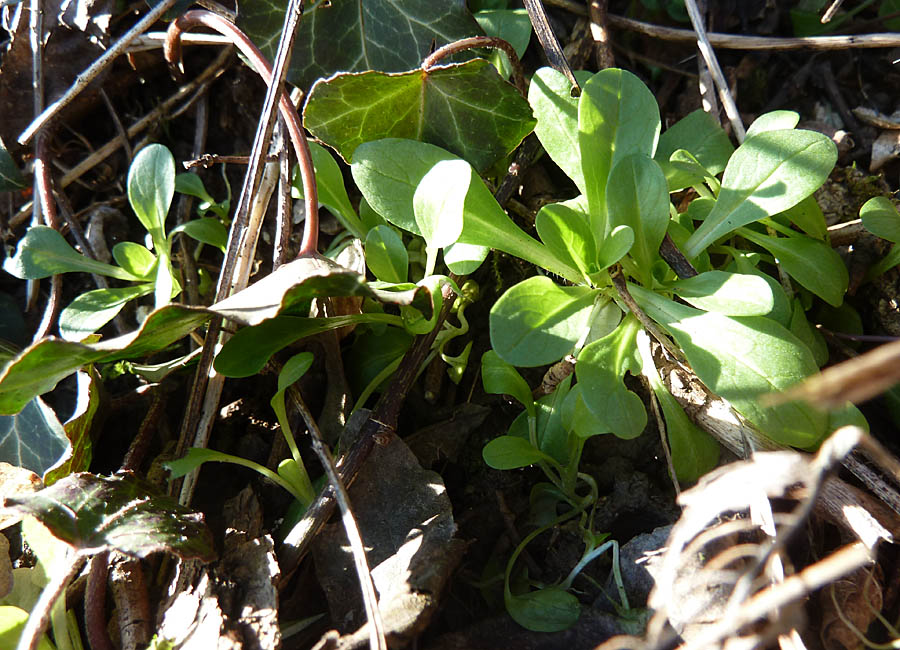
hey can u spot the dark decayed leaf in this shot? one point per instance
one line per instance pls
(293, 285)
(354, 35)
(123, 513)
(465, 108)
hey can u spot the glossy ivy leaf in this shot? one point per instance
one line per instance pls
(438, 205)
(556, 110)
(134, 259)
(565, 229)
(249, 349)
(510, 452)
(501, 378)
(513, 26)
(694, 452)
(773, 121)
(386, 255)
(537, 322)
(552, 609)
(78, 453)
(812, 263)
(881, 218)
(121, 513)
(466, 108)
(388, 172)
(11, 178)
(330, 189)
(39, 367)
(151, 186)
(93, 309)
(732, 294)
(740, 358)
(770, 173)
(43, 252)
(33, 438)
(206, 230)
(601, 368)
(701, 135)
(341, 35)
(617, 116)
(637, 197)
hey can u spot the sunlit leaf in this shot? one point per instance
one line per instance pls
(770, 173)
(465, 108)
(617, 116)
(732, 294)
(740, 358)
(812, 263)
(43, 252)
(151, 186)
(537, 322)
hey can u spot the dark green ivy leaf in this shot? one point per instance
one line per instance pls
(465, 108)
(356, 35)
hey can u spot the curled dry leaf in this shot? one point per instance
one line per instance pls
(406, 521)
(885, 148)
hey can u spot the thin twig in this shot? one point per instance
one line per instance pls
(120, 129)
(461, 45)
(44, 191)
(283, 215)
(208, 384)
(207, 160)
(186, 246)
(264, 132)
(549, 42)
(82, 80)
(370, 600)
(715, 70)
(670, 252)
(738, 42)
(621, 287)
(600, 33)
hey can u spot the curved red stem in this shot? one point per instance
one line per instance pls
(172, 52)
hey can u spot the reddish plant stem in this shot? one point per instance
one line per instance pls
(480, 41)
(94, 603)
(172, 51)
